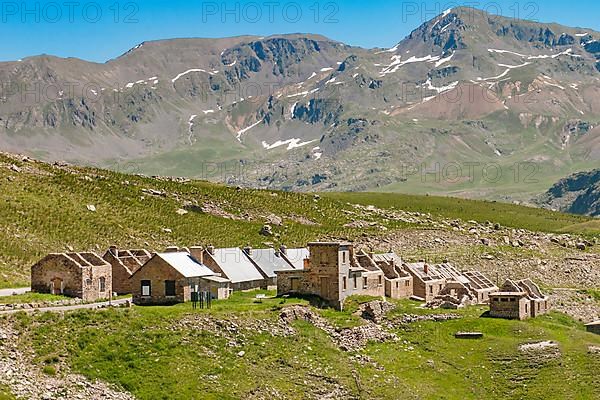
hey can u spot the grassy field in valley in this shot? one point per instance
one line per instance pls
(178, 360)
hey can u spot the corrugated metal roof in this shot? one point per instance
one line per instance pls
(236, 266)
(185, 264)
(269, 262)
(296, 257)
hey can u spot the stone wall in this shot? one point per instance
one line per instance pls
(399, 288)
(57, 267)
(427, 289)
(157, 271)
(509, 307)
(370, 283)
(539, 307)
(91, 282)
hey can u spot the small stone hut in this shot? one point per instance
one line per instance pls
(398, 282)
(518, 300)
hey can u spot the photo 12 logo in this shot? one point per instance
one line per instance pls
(523, 172)
(68, 12)
(425, 11)
(270, 12)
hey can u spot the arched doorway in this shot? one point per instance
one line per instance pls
(56, 286)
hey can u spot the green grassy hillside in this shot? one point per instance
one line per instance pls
(180, 355)
(45, 209)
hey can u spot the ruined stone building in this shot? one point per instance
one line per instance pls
(398, 282)
(481, 286)
(518, 300)
(234, 264)
(427, 280)
(82, 275)
(463, 288)
(124, 263)
(173, 276)
(332, 272)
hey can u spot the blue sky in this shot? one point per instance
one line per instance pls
(101, 30)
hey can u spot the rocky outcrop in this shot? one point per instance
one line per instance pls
(577, 194)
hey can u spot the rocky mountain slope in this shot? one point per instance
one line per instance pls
(57, 207)
(578, 194)
(303, 112)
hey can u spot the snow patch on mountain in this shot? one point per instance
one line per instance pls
(440, 89)
(291, 144)
(397, 63)
(242, 131)
(189, 71)
(508, 69)
(444, 60)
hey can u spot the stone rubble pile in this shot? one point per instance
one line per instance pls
(450, 302)
(235, 330)
(541, 350)
(413, 318)
(25, 380)
(375, 310)
(350, 339)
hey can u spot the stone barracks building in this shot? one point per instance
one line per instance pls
(171, 277)
(333, 273)
(124, 263)
(82, 275)
(234, 264)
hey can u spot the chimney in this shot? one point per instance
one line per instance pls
(172, 249)
(283, 249)
(306, 264)
(211, 249)
(426, 269)
(196, 252)
(248, 250)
